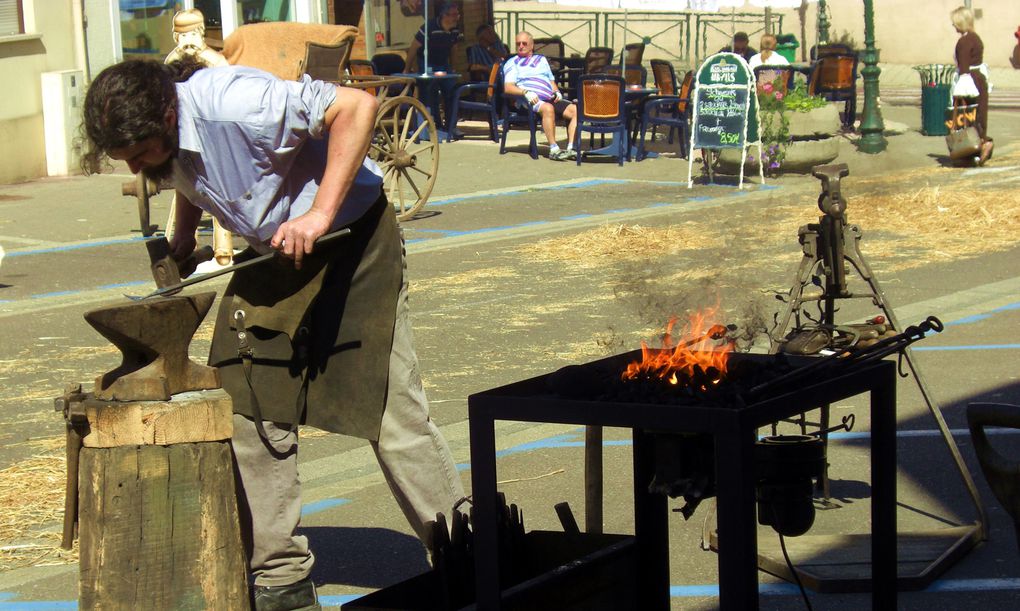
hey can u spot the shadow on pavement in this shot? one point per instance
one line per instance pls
(364, 557)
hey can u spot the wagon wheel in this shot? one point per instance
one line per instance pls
(409, 163)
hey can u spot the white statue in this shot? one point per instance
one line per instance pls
(189, 34)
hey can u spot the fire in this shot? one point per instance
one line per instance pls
(701, 347)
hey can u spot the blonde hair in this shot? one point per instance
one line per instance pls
(767, 46)
(963, 19)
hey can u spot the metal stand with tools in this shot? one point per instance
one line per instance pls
(829, 246)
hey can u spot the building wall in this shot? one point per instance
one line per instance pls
(911, 32)
(50, 44)
(908, 32)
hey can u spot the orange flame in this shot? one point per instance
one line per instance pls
(699, 347)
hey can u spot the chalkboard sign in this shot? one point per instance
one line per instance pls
(725, 111)
(720, 116)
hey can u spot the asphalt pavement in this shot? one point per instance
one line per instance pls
(508, 281)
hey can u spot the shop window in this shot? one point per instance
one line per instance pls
(146, 27)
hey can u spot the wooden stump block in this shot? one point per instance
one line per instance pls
(158, 524)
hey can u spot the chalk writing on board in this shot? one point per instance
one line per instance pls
(721, 114)
(723, 73)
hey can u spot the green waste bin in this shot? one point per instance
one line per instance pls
(787, 45)
(935, 87)
(934, 101)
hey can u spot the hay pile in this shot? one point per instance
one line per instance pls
(32, 508)
(903, 228)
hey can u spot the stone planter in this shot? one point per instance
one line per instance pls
(813, 143)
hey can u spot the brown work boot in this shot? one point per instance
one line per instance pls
(298, 596)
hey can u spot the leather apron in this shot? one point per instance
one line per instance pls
(315, 343)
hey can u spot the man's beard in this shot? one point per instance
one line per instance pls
(164, 170)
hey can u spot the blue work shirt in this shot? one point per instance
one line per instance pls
(440, 44)
(253, 150)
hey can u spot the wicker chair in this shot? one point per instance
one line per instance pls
(326, 62)
(600, 110)
(668, 108)
(834, 77)
(486, 105)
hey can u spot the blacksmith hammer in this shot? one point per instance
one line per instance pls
(171, 289)
(167, 271)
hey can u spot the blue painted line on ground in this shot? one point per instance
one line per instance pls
(442, 201)
(70, 247)
(575, 217)
(53, 294)
(492, 229)
(985, 316)
(619, 210)
(700, 198)
(969, 319)
(661, 205)
(675, 591)
(323, 505)
(121, 285)
(974, 585)
(336, 601)
(973, 347)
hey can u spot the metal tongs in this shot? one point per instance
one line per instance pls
(851, 356)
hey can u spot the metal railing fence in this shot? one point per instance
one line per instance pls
(681, 37)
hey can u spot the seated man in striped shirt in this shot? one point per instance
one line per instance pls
(530, 76)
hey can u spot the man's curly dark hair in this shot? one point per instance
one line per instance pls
(126, 103)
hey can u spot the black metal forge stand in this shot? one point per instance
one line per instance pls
(734, 432)
(828, 247)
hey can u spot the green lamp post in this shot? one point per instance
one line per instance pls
(823, 23)
(872, 127)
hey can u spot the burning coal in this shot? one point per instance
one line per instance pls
(698, 357)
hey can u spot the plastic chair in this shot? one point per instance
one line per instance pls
(550, 47)
(554, 52)
(668, 108)
(362, 67)
(1002, 474)
(514, 111)
(596, 59)
(388, 63)
(634, 74)
(488, 106)
(326, 62)
(633, 53)
(601, 110)
(834, 77)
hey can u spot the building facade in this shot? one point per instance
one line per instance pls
(49, 49)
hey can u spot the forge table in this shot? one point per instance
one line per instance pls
(735, 433)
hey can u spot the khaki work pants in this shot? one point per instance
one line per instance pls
(412, 453)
